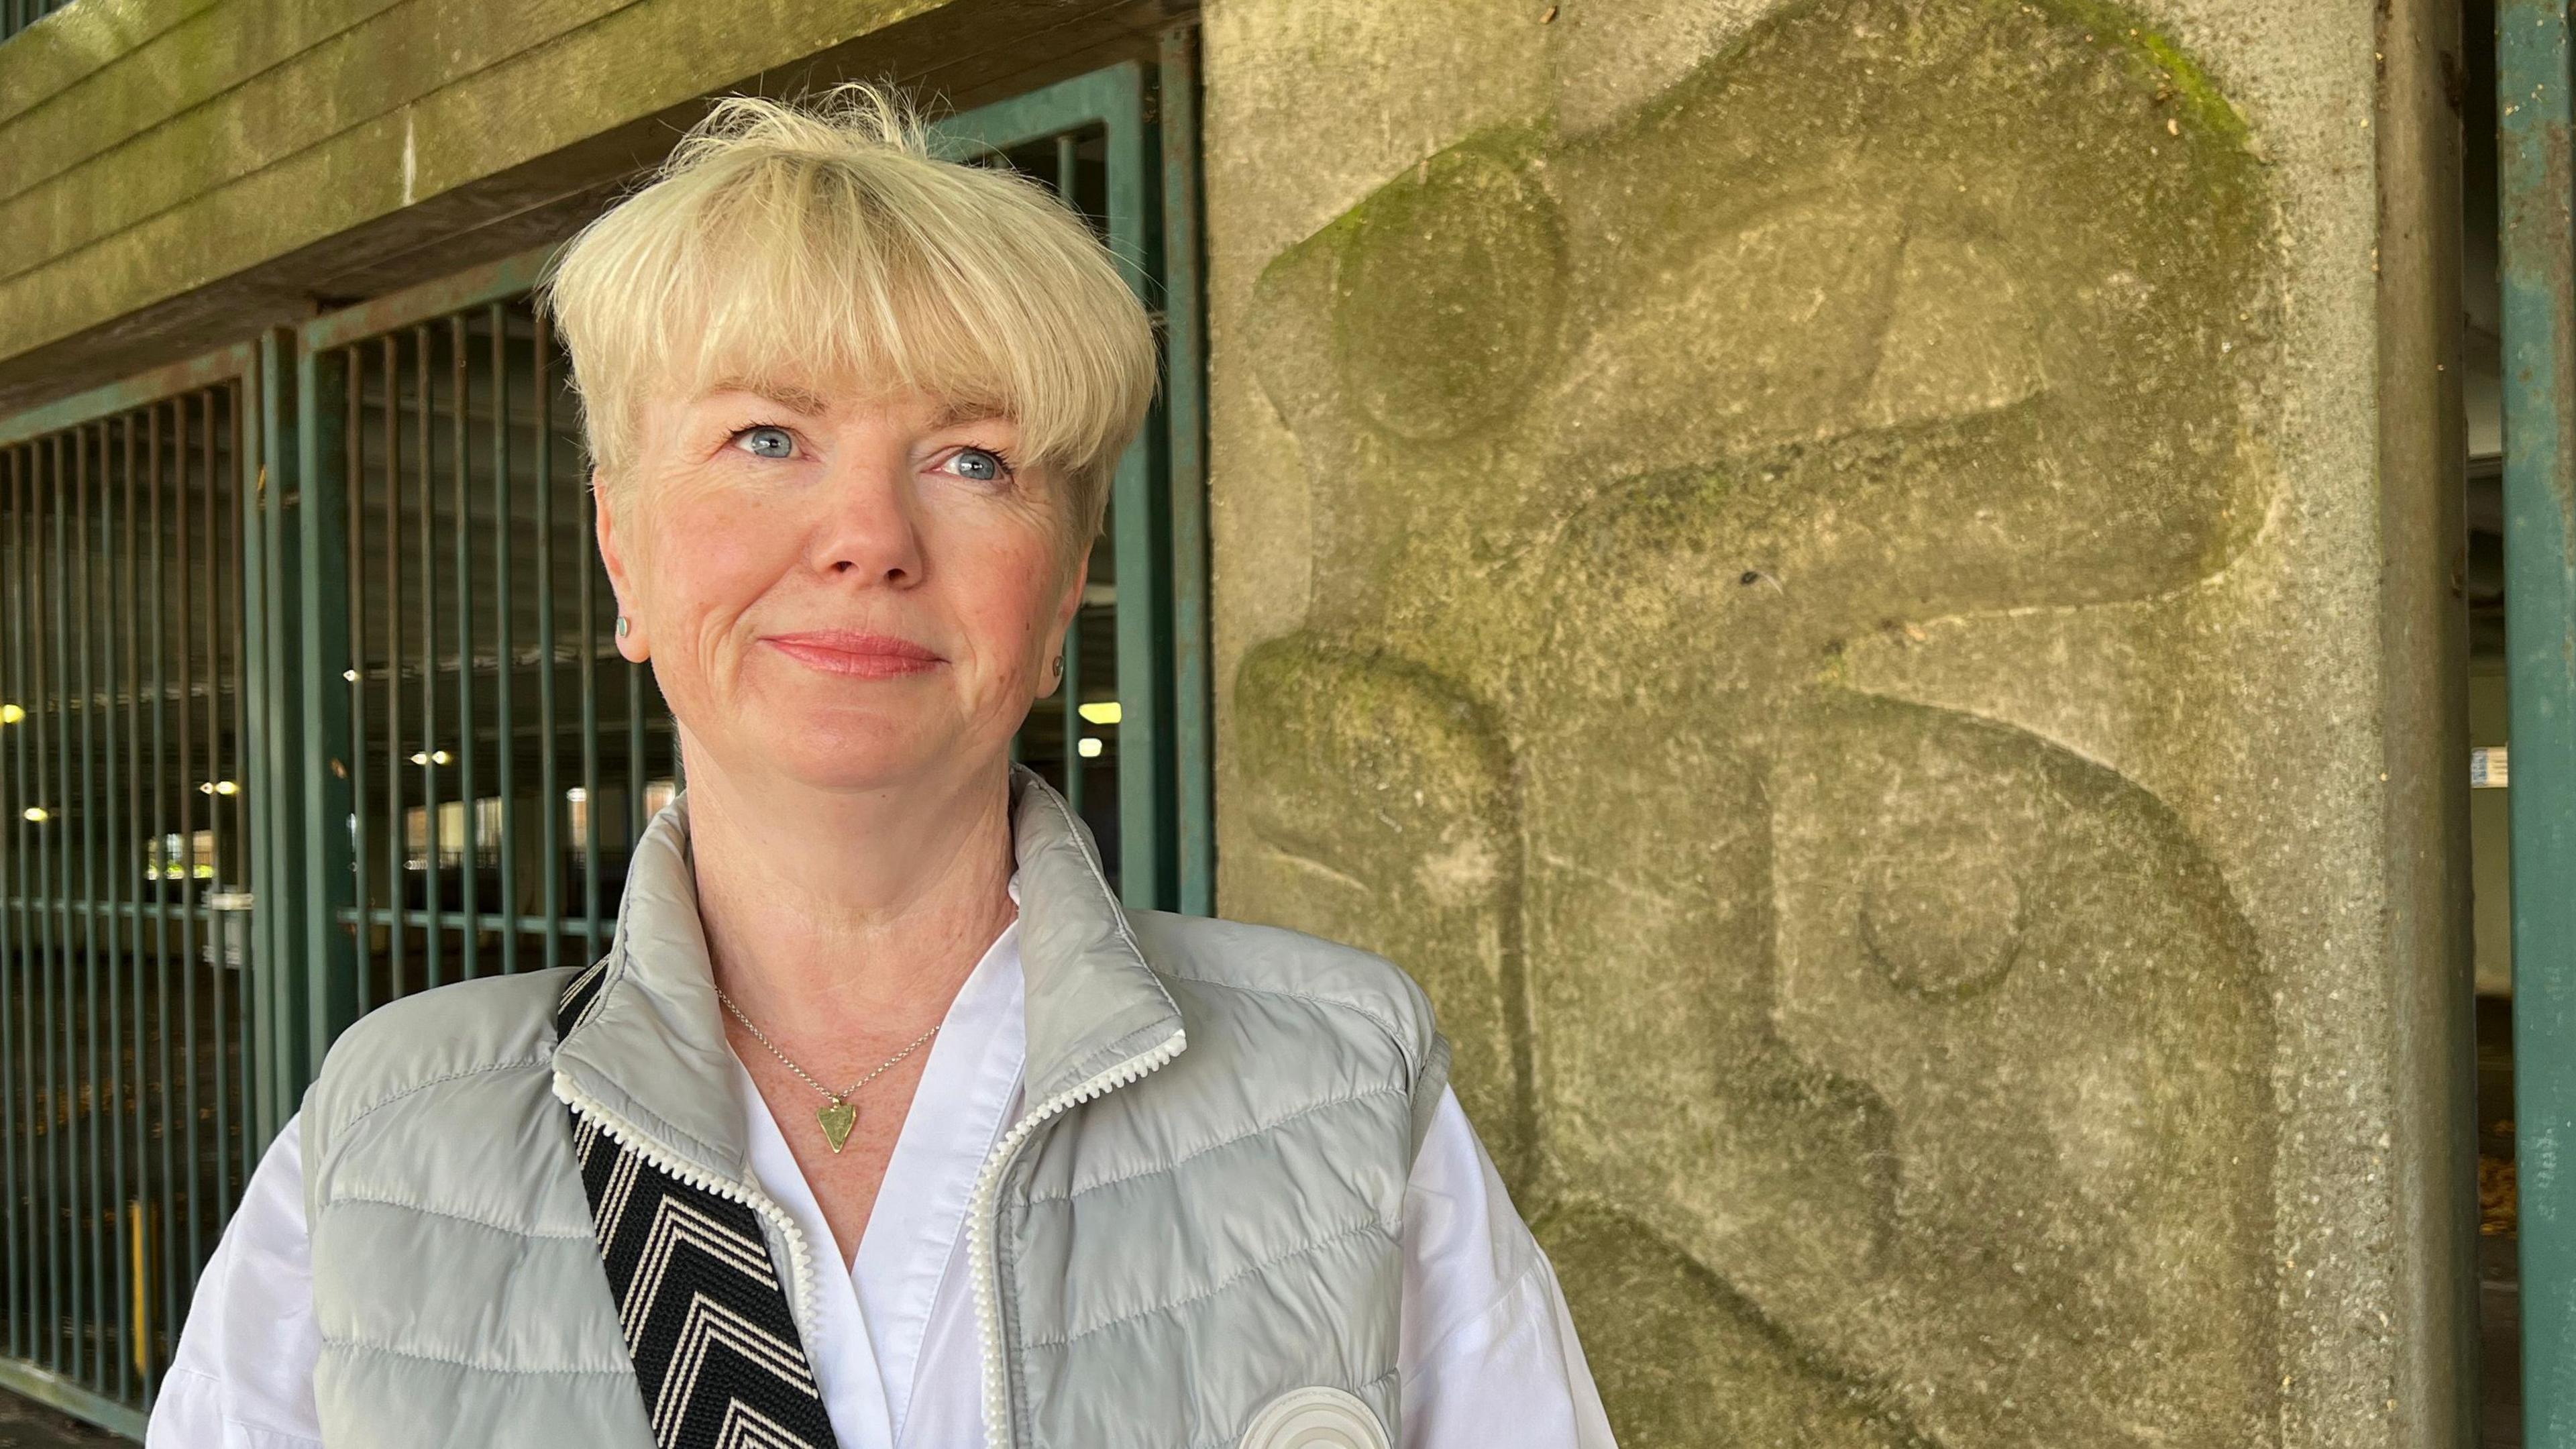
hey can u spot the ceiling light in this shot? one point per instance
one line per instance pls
(1087, 747)
(39, 814)
(1105, 712)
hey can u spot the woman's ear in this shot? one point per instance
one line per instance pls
(1051, 656)
(633, 643)
(1071, 603)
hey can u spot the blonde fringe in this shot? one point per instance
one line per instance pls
(820, 243)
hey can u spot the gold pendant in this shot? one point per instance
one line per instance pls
(837, 1120)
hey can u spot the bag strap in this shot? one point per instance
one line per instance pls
(707, 1322)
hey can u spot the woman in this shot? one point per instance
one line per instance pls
(880, 1123)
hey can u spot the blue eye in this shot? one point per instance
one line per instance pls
(766, 442)
(981, 464)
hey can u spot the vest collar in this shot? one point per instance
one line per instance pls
(652, 1048)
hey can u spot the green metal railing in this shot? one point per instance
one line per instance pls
(126, 1030)
(486, 759)
(309, 700)
(2539, 256)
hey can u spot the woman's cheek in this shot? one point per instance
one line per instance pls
(718, 552)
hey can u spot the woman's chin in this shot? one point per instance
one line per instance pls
(841, 755)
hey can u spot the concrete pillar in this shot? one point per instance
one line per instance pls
(1845, 583)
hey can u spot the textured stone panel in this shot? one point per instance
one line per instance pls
(1878, 1070)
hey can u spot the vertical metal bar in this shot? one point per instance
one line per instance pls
(129, 597)
(429, 748)
(13, 801)
(112, 1116)
(166, 860)
(353, 363)
(84, 1099)
(44, 604)
(2539, 256)
(1193, 733)
(469, 894)
(318, 774)
(1136, 514)
(216, 930)
(225, 496)
(549, 791)
(58, 1014)
(505, 719)
(254, 674)
(589, 728)
(1070, 708)
(183, 787)
(397, 889)
(32, 874)
(281, 751)
(37, 867)
(16, 1107)
(249, 836)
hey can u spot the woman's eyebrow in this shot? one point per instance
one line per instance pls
(785, 394)
(957, 414)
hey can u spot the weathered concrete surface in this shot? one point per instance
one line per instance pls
(175, 174)
(1816, 573)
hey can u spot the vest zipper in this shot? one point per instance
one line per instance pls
(800, 1261)
(988, 1186)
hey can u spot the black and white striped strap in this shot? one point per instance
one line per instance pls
(706, 1318)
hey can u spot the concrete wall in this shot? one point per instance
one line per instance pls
(176, 173)
(1839, 580)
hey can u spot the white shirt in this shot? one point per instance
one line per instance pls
(1487, 1354)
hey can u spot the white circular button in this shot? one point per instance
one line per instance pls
(1316, 1418)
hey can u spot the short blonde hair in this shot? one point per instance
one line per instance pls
(822, 241)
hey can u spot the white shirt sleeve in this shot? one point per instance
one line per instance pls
(1488, 1353)
(243, 1375)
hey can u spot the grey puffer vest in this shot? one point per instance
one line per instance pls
(1194, 1222)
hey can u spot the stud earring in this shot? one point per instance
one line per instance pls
(621, 626)
(1055, 670)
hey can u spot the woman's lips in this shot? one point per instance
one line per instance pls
(863, 656)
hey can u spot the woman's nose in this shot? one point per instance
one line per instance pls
(869, 532)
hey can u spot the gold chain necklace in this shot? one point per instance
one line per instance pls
(836, 1114)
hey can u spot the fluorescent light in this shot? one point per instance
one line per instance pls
(1105, 712)
(1088, 747)
(219, 787)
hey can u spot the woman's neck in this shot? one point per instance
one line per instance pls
(823, 911)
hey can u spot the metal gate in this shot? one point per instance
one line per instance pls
(309, 699)
(126, 1040)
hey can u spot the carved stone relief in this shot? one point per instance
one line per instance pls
(1876, 1073)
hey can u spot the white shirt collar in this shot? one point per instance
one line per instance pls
(872, 1315)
